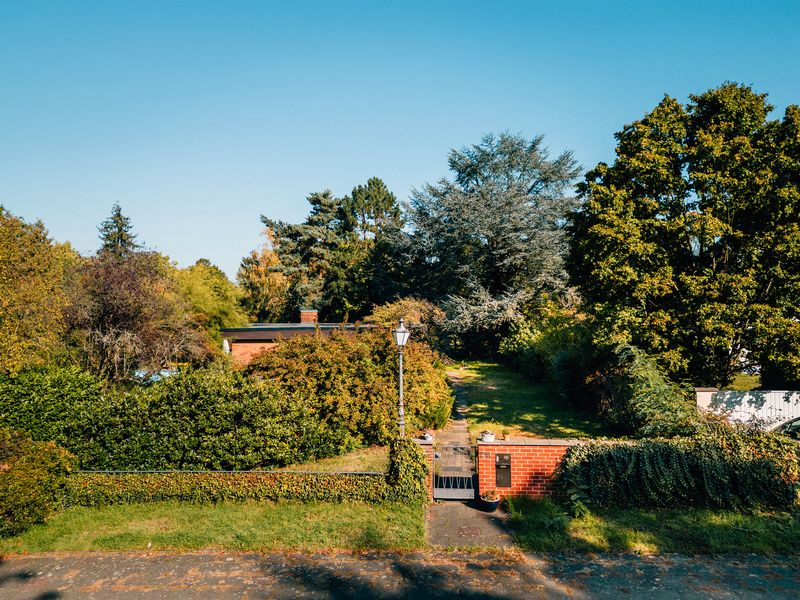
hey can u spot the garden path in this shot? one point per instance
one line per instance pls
(456, 523)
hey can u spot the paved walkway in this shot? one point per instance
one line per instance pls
(394, 576)
(456, 523)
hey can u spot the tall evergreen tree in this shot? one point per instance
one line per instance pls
(116, 234)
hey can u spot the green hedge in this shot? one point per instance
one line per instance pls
(404, 482)
(101, 489)
(719, 468)
(32, 478)
(214, 418)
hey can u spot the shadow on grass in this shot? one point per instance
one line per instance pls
(543, 526)
(501, 398)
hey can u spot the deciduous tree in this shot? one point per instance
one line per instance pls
(688, 245)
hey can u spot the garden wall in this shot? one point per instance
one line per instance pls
(533, 463)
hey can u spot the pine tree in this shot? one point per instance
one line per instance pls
(116, 233)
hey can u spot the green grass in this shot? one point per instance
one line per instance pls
(542, 526)
(227, 526)
(501, 400)
(372, 459)
(743, 382)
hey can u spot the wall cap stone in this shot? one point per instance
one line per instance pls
(531, 442)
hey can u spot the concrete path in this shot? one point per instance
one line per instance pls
(462, 524)
(456, 523)
(394, 576)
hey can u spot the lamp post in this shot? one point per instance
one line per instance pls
(401, 335)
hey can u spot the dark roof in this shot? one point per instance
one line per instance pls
(274, 331)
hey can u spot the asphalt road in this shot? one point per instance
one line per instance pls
(439, 574)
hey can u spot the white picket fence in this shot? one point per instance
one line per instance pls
(769, 407)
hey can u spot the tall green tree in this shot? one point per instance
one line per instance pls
(31, 293)
(492, 236)
(339, 259)
(688, 245)
(212, 299)
(116, 233)
(497, 225)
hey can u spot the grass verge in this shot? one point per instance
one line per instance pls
(542, 526)
(503, 401)
(227, 526)
(373, 459)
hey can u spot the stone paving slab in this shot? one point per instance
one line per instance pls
(460, 524)
(391, 575)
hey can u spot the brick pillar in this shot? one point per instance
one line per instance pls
(533, 465)
(427, 448)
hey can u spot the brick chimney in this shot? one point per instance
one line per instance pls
(308, 315)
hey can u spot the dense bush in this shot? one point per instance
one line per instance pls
(32, 475)
(618, 382)
(214, 418)
(404, 482)
(349, 381)
(720, 467)
(407, 470)
(424, 319)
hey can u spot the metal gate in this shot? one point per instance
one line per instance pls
(454, 473)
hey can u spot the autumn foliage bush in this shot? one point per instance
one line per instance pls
(349, 382)
(32, 476)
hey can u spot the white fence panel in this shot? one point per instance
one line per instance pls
(770, 407)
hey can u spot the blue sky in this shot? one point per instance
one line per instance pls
(197, 117)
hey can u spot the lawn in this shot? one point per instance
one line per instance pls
(227, 526)
(542, 526)
(503, 401)
(374, 459)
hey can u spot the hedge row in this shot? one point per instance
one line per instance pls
(729, 469)
(404, 482)
(101, 489)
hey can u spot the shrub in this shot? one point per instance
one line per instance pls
(424, 319)
(721, 467)
(101, 489)
(619, 383)
(214, 418)
(32, 475)
(349, 382)
(404, 482)
(408, 468)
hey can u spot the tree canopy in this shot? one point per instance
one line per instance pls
(31, 293)
(688, 245)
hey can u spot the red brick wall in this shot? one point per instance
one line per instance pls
(427, 448)
(533, 464)
(243, 351)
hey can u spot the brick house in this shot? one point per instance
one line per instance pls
(244, 343)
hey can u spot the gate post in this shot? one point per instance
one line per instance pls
(427, 448)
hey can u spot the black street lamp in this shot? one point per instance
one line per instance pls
(401, 335)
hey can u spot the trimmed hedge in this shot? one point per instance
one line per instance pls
(101, 489)
(404, 482)
(719, 468)
(214, 418)
(32, 477)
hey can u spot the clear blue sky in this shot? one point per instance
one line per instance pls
(197, 117)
